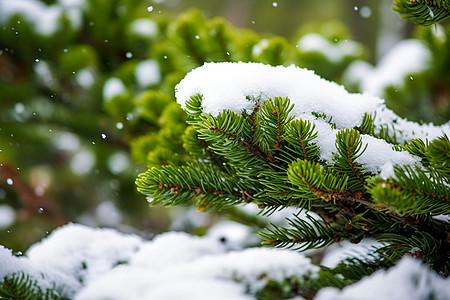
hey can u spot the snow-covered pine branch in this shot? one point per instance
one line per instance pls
(284, 137)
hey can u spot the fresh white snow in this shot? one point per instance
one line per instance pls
(408, 280)
(227, 86)
(337, 252)
(92, 263)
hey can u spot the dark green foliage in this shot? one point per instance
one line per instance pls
(263, 156)
(206, 185)
(267, 157)
(423, 12)
(314, 183)
(349, 146)
(414, 192)
(299, 134)
(21, 286)
(142, 122)
(304, 234)
(438, 155)
(352, 269)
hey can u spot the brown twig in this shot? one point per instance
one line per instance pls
(31, 202)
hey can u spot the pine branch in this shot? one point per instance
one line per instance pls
(206, 185)
(194, 106)
(277, 191)
(349, 147)
(413, 193)
(438, 154)
(367, 125)
(416, 147)
(304, 234)
(265, 156)
(423, 12)
(299, 135)
(229, 135)
(314, 183)
(21, 286)
(421, 245)
(274, 117)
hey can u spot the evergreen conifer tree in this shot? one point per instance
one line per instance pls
(267, 157)
(263, 156)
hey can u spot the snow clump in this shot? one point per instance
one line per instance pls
(84, 263)
(231, 86)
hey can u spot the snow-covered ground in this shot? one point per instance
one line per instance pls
(90, 263)
(93, 263)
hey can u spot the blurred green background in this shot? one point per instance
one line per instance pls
(87, 102)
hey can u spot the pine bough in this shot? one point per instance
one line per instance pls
(281, 137)
(423, 12)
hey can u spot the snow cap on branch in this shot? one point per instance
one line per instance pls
(231, 86)
(227, 86)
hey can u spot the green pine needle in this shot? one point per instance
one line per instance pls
(349, 146)
(302, 235)
(21, 286)
(423, 12)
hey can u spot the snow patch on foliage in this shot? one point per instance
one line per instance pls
(379, 154)
(408, 280)
(161, 253)
(233, 86)
(87, 263)
(250, 269)
(227, 86)
(405, 130)
(233, 235)
(75, 254)
(10, 263)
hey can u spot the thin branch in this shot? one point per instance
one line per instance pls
(31, 202)
(352, 166)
